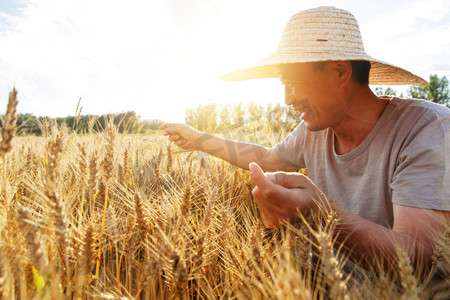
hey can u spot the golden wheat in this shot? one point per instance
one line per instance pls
(175, 226)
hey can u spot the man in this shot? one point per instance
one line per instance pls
(382, 164)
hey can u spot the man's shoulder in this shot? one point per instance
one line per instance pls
(419, 106)
(406, 119)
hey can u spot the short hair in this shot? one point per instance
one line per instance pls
(360, 70)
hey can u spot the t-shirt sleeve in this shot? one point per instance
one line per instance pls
(290, 150)
(422, 175)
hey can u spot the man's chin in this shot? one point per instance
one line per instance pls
(312, 127)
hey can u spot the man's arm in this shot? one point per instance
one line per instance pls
(415, 232)
(235, 152)
(281, 196)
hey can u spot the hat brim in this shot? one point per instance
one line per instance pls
(381, 73)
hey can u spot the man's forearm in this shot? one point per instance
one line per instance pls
(234, 152)
(370, 244)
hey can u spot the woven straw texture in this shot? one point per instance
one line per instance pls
(323, 34)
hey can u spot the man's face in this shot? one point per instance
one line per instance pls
(314, 93)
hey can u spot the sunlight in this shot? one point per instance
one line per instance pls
(159, 58)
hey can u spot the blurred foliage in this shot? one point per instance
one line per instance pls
(436, 90)
(379, 91)
(126, 122)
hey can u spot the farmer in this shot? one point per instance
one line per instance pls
(381, 163)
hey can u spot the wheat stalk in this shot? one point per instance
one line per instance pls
(86, 261)
(56, 205)
(108, 173)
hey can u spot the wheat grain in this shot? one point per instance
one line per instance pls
(408, 280)
(8, 131)
(330, 264)
(9, 124)
(108, 162)
(141, 218)
(83, 162)
(93, 171)
(127, 165)
(35, 248)
(85, 262)
(169, 159)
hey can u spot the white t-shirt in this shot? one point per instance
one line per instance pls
(405, 160)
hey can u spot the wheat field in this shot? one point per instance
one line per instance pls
(117, 216)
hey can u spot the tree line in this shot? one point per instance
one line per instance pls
(437, 90)
(126, 122)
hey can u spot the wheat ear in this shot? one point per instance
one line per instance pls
(407, 278)
(86, 261)
(57, 211)
(83, 166)
(331, 268)
(8, 132)
(34, 244)
(108, 172)
(93, 171)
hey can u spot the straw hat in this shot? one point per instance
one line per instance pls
(323, 34)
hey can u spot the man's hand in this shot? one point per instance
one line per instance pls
(282, 196)
(184, 136)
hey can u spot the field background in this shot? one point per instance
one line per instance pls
(108, 215)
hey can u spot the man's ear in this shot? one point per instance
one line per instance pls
(344, 71)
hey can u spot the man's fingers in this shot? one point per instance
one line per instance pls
(170, 130)
(269, 212)
(164, 126)
(180, 143)
(174, 137)
(260, 179)
(270, 191)
(170, 127)
(289, 180)
(256, 193)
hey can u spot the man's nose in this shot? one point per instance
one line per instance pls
(288, 97)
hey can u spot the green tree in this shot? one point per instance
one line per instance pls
(26, 124)
(437, 90)
(126, 121)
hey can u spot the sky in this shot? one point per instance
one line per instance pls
(160, 57)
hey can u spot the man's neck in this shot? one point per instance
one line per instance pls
(364, 111)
